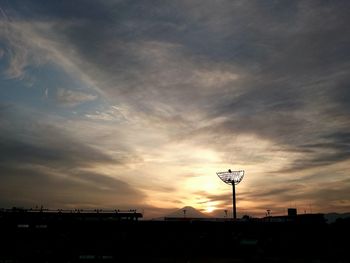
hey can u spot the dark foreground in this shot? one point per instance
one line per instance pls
(62, 238)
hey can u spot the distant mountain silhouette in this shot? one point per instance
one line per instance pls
(191, 212)
(332, 217)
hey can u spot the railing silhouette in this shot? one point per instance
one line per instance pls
(87, 211)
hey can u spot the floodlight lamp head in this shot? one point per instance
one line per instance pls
(231, 177)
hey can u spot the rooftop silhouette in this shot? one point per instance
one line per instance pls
(97, 236)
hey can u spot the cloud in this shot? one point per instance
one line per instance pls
(267, 103)
(265, 82)
(60, 152)
(73, 98)
(112, 113)
(330, 149)
(40, 142)
(17, 57)
(22, 49)
(2, 53)
(44, 142)
(35, 185)
(321, 190)
(41, 163)
(46, 93)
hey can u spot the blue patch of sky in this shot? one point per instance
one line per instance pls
(37, 89)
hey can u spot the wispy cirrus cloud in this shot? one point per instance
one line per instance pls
(72, 98)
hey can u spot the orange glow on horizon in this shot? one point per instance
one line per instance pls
(210, 209)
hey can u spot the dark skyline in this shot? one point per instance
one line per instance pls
(137, 104)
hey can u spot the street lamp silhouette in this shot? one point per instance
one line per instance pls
(232, 178)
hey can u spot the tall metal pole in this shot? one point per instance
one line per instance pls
(232, 177)
(234, 200)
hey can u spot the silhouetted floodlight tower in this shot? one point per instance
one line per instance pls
(232, 178)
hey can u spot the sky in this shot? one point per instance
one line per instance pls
(137, 104)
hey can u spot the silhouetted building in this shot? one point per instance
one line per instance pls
(294, 218)
(108, 236)
(292, 212)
